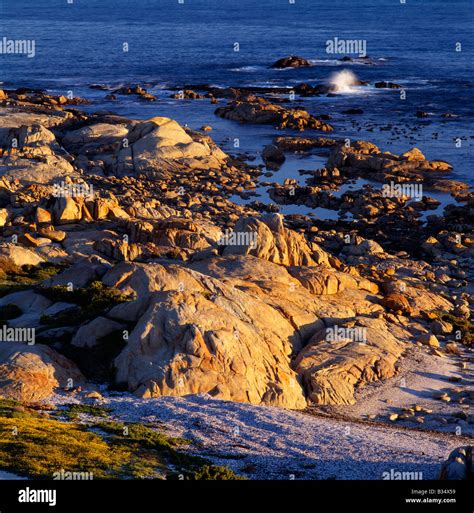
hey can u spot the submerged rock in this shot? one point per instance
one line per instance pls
(387, 85)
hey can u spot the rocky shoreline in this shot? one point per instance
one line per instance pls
(122, 251)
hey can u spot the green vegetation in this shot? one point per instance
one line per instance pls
(12, 409)
(74, 410)
(215, 473)
(35, 445)
(32, 274)
(10, 288)
(8, 312)
(14, 278)
(147, 436)
(39, 447)
(92, 301)
(465, 326)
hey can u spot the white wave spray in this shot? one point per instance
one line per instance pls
(343, 81)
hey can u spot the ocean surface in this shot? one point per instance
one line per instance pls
(172, 44)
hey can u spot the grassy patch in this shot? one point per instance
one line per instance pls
(39, 447)
(34, 445)
(30, 274)
(145, 435)
(10, 288)
(9, 408)
(143, 438)
(74, 410)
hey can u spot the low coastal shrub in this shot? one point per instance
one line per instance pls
(465, 326)
(10, 288)
(216, 473)
(35, 445)
(143, 434)
(92, 301)
(38, 447)
(73, 411)
(15, 279)
(9, 408)
(32, 274)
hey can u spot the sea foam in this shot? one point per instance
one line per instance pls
(343, 81)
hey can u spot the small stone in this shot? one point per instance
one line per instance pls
(94, 395)
(452, 348)
(52, 234)
(428, 339)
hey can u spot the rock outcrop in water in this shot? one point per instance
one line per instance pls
(291, 62)
(258, 110)
(362, 158)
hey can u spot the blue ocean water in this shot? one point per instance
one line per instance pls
(171, 44)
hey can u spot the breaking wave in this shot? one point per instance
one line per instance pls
(343, 81)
